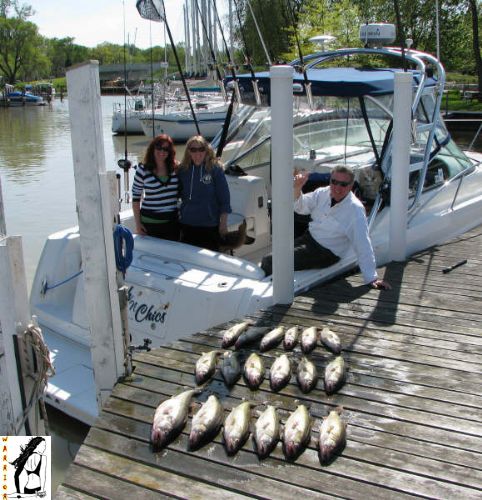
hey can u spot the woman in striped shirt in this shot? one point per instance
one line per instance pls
(156, 178)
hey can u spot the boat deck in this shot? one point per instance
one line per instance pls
(412, 401)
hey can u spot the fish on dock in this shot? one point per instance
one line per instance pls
(206, 366)
(206, 423)
(309, 338)
(230, 368)
(252, 334)
(297, 432)
(170, 418)
(335, 374)
(266, 432)
(330, 340)
(332, 437)
(231, 335)
(254, 371)
(280, 372)
(272, 338)
(291, 338)
(236, 427)
(306, 375)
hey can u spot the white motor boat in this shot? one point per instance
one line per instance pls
(176, 289)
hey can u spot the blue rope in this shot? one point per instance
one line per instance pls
(46, 287)
(123, 247)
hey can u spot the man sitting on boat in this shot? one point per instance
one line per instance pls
(338, 222)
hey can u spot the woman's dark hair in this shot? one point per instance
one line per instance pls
(26, 451)
(149, 160)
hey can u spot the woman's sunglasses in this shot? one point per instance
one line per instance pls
(158, 147)
(339, 183)
(197, 150)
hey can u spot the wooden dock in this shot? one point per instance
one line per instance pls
(412, 401)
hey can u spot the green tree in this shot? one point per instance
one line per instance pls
(20, 42)
(63, 52)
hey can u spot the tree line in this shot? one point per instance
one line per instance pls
(286, 27)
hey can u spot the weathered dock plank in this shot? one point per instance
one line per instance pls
(412, 399)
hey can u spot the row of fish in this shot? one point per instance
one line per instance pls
(244, 333)
(280, 371)
(171, 417)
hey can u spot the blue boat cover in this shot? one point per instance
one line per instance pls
(343, 82)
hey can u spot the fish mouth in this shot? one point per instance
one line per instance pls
(328, 453)
(159, 439)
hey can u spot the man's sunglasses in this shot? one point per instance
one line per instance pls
(197, 150)
(339, 183)
(158, 147)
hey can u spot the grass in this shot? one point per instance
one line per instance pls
(453, 101)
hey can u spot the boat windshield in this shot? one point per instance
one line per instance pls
(351, 130)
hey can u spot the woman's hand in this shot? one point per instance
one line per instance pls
(223, 225)
(140, 229)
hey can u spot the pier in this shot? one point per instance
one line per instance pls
(412, 400)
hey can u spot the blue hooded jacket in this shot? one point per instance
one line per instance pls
(204, 196)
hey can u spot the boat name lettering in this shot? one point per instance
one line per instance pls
(143, 311)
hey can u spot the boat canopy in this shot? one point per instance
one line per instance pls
(339, 82)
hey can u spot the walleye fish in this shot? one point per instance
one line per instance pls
(291, 338)
(206, 366)
(272, 338)
(206, 423)
(170, 418)
(297, 432)
(280, 372)
(332, 437)
(307, 375)
(254, 371)
(230, 368)
(251, 335)
(330, 340)
(231, 335)
(334, 375)
(236, 427)
(308, 340)
(266, 432)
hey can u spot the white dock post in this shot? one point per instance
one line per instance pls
(282, 182)
(402, 118)
(95, 225)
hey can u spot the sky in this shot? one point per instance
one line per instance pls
(91, 22)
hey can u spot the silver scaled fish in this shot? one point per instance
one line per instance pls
(170, 418)
(334, 375)
(266, 432)
(330, 340)
(236, 427)
(307, 375)
(272, 338)
(291, 338)
(332, 437)
(206, 366)
(206, 423)
(280, 372)
(309, 337)
(297, 433)
(254, 371)
(230, 368)
(231, 335)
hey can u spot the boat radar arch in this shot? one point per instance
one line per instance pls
(377, 34)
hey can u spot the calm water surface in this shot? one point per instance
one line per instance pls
(39, 198)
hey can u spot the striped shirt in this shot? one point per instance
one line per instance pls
(159, 197)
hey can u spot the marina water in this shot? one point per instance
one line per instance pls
(39, 197)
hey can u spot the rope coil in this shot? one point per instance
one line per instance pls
(123, 247)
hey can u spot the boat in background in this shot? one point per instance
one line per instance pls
(17, 98)
(177, 289)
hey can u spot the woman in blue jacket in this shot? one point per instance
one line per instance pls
(204, 195)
